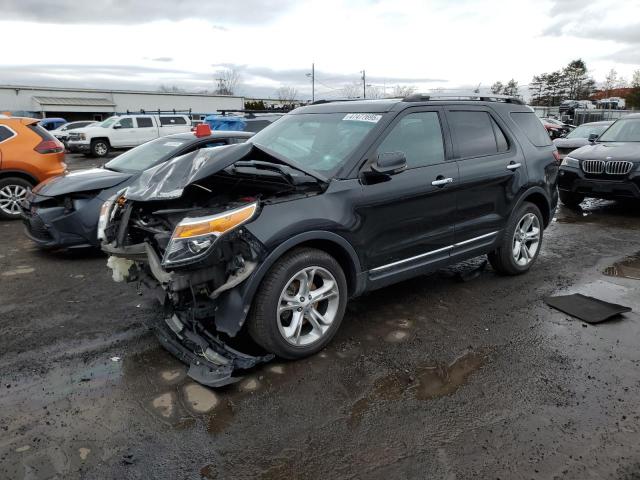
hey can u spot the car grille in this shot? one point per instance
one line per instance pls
(618, 168)
(37, 228)
(593, 166)
(74, 136)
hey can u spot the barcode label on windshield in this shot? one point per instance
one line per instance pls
(362, 117)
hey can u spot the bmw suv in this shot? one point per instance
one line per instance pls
(608, 168)
(271, 238)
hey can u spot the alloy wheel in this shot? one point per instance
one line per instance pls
(100, 149)
(308, 306)
(10, 198)
(526, 239)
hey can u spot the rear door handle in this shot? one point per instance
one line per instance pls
(441, 182)
(514, 166)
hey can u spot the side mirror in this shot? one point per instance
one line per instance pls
(593, 137)
(390, 163)
(117, 125)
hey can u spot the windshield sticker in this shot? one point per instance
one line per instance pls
(172, 144)
(362, 117)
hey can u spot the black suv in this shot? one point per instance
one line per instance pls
(608, 168)
(333, 200)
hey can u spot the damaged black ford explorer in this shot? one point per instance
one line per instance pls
(271, 237)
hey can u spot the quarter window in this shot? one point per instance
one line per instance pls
(144, 122)
(532, 128)
(419, 137)
(473, 133)
(172, 121)
(5, 133)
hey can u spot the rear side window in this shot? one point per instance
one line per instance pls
(6, 133)
(144, 122)
(42, 133)
(532, 128)
(419, 137)
(473, 133)
(172, 121)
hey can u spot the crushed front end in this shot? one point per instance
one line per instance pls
(189, 246)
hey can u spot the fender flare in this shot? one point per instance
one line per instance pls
(537, 190)
(233, 305)
(19, 173)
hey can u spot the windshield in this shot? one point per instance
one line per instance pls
(583, 131)
(145, 155)
(108, 122)
(320, 142)
(624, 130)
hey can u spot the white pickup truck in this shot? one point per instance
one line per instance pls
(125, 131)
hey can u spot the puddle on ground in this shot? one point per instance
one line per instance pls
(626, 268)
(427, 383)
(441, 380)
(605, 212)
(221, 418)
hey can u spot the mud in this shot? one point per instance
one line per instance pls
(431, 378)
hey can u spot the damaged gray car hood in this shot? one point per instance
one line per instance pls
(168, 180)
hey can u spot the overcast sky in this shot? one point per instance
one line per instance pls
(430, 44)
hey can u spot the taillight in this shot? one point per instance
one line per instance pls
(556, 155)
(49, 146)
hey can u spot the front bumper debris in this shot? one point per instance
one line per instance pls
(211, 362)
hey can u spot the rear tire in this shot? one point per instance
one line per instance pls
(289, 319)
(521, 242)
(570, 199)
(100, 148)
(12, 191)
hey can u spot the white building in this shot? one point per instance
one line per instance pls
(95, 104)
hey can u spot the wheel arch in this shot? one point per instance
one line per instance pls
(539, 198)
(95, 139)
(234, 305)
(18, 174)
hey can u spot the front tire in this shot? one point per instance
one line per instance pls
(570, 199)
(100, 148)
(12, 191)
(521, 243)
(300, 304)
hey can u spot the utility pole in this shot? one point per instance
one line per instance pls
(313, 82)
(364, 84)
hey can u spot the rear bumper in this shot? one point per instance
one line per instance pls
(574, 180)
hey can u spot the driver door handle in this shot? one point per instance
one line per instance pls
(441, 181)
(514, 166)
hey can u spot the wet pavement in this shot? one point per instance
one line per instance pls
(460, 374)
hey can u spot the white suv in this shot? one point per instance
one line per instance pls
(125, 131)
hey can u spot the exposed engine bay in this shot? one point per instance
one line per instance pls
(180, 234)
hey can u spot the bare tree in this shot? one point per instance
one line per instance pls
(613, 81)
(374, 92)
(352, 90)
(170, 89)
(402, 91)
(287, 95)
(227, 81)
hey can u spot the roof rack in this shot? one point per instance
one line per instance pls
(420, 97)
(320, 102)
(160, 112)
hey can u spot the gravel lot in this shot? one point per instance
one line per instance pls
(431, 378)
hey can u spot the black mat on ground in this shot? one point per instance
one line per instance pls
(589, 309)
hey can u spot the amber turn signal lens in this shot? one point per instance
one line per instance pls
(216, 225)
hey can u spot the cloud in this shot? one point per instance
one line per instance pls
(162, 59)
(299, 75)
(121, 12)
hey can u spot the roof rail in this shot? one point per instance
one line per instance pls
(320, 102)
(160, 112)
(420, 97)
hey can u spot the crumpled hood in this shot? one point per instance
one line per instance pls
(81, 181)
(168, 180)
(629, 151)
